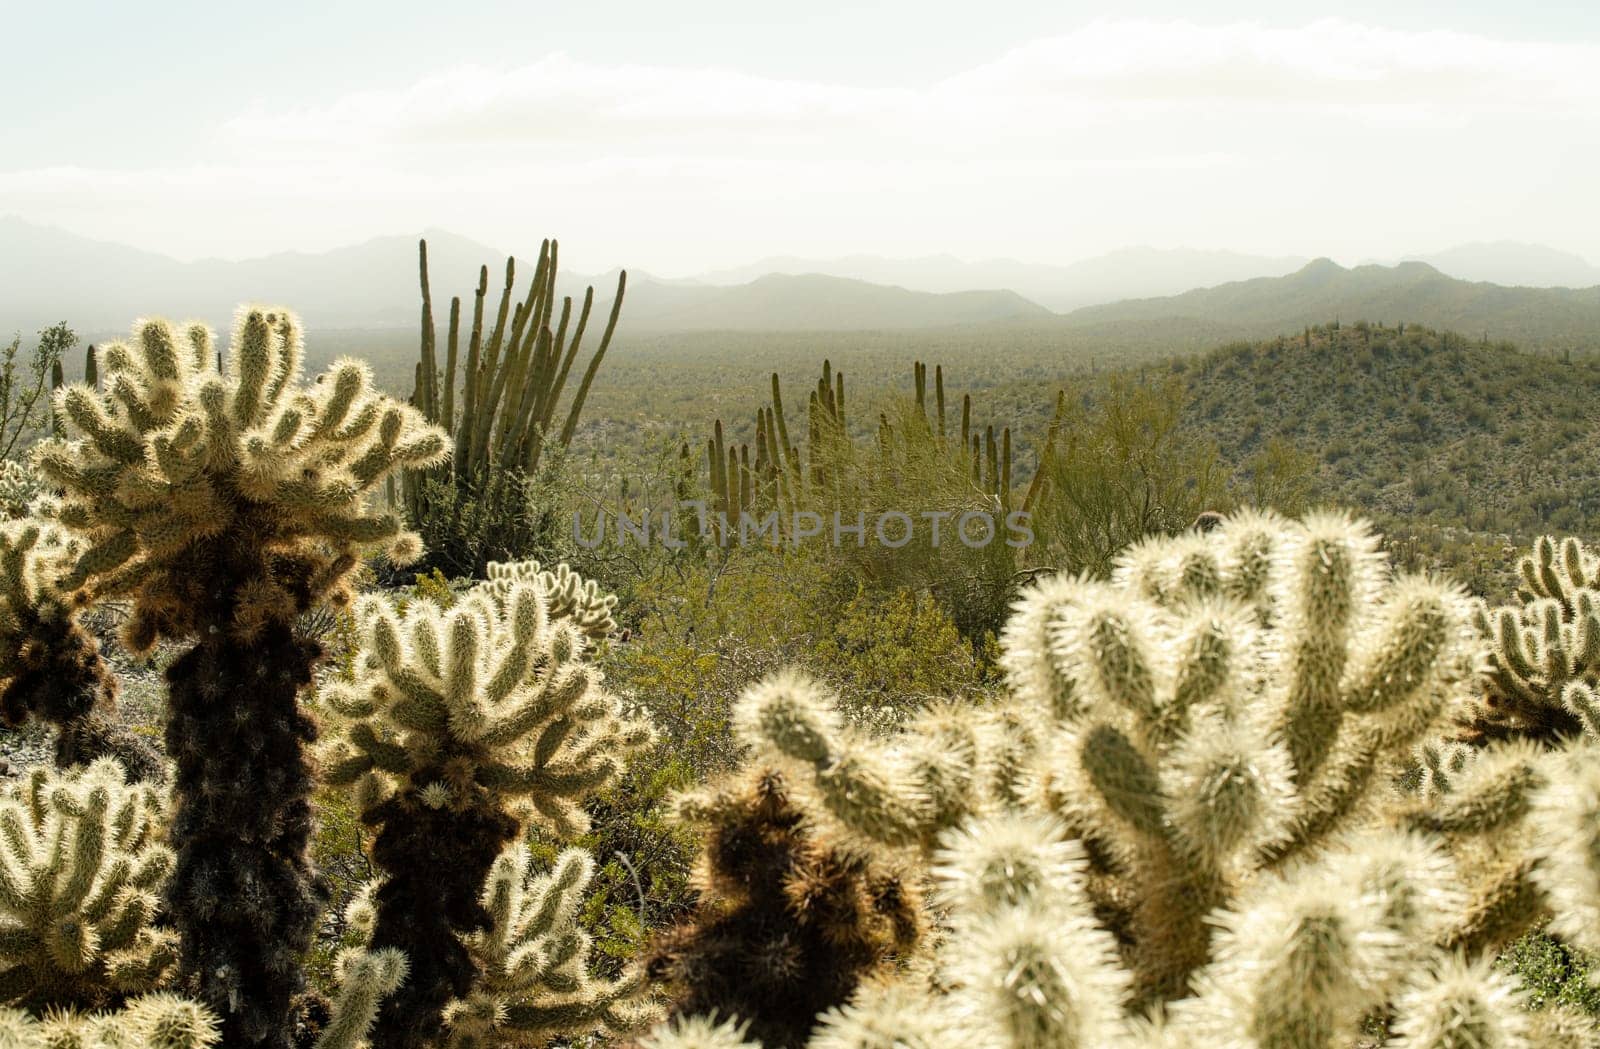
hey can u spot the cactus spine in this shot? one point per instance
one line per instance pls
(154, 1021)
(223, 505)
(459, 729)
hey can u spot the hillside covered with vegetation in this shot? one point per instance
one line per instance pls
(1547, 320)
(1410, 422)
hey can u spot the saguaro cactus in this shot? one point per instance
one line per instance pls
(223, 506)
(50, 668)
(81, 865)
(459, 728)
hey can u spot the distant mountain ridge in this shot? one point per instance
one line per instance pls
(48, 275)
(1128, 273)
(1411, 292)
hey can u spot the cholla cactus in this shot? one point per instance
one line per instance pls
(222, 505)
(50, 668)
(534, 956)
(23, 493)
(460, 727)
(154, 1021)
(81, 864)
(366, 978)
(1226, 703)
(1183, 828)
(786, 925)
(1546, 655)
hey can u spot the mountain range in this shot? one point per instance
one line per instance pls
(1548, 319)
(48, 275)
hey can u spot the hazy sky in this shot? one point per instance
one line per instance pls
(675, 137)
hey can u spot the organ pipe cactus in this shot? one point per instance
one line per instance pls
(460, 728)
(221, 505)
(82, 861)
(510, 385)
(829, 471)
(50, 668)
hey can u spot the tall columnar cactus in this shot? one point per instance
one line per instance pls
(82, 861)
(787, 924)
(1546, 654)
(510, 385)
(917, 448)
(459, 728)
(154, 1021)
(50, 668)
(535, 985)
(223, 505)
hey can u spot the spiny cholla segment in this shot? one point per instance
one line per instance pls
(535, 984)
(41, 649)
(177, 459)
(1546, 654)
(50, 668)
(154, 1021)
(460, 728)
(81, 864)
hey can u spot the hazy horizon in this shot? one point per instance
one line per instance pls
(1043, 135)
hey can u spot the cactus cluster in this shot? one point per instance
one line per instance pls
(221, 504)
(50, 667)
(1187, 825)
(1546, 650)
(23, 493)
(460, 729)
(786, 925)
(510, 384)
(829, 471)
(82, 863)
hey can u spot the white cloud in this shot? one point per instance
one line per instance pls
(1332, 136)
